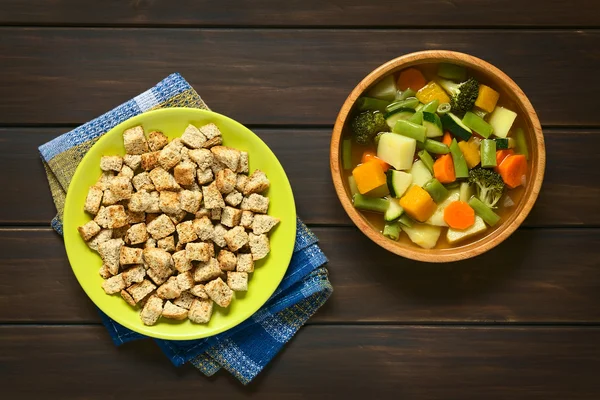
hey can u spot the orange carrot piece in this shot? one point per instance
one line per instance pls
(447, 138)
(502, 154)
(411, 78)
(513, 170)
(443, 169)
(459, 215)
(369, 156)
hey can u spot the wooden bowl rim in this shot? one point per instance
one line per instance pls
(537, 159)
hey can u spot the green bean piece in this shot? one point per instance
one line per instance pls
(367, 203)
(410, 130)
(352, 185)
(452, 71)
(347, 153)
(427, 159)
(431, 107)
(486, 213)
(488, 153)
(392, 230)
(371, 104)
(521, 143)
(435, 147)
(444, 108)
(417, 118)
(452, 185)
(406, 220)
(436, 190)
(411, 102)
(461, 170)
(406, 94)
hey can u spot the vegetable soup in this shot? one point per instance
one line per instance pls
(435, 155)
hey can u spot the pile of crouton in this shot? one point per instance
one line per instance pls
(178, 224)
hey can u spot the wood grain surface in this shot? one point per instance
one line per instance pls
(304, 154)
(321, 362)
(273, 76)
(326, 13)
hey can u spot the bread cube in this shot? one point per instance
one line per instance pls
(236, 238)
(227, 260)
(89, 230)
(104, 272)
(109, 198)
(185, 280)
(169, 202)
(142, 181)
(231, 217)
(186, 232)
(244, 163)
(128, 298)
(237, 281)
(212, 197)
(161, 227)
(218, 238)
(111, 217)
(157, 140)
(199, 251)
(215, 214)
(192, 137)
(247, 219)
(110, 252)
(135, 217)
(136, 234)
(263, 223)
(245, 263)
(172, 311)
(113, 284)
(111, 163)
(185, 173)
(93, 200)
(206, 271)
(157, 259)
(167, 243)
(241, 182)
(133, 275)
(259, 246)
(121, 188)
(210, 131)
(169, 290)
(130, 255)
(119, 233)
(219, 292)
(257, 183)
(140, 290)
(226, 180)
(234, 198)
(169, 156)
(134, 141)
(163, 180)
(200, 311)
(203, 158)
(150, 160)
(255, 203)
(133, 161)
(185, 300)
(198, 291)
(228, 156)
(101, 237)
(159, 276)
(190, 200)
(152, 310)
(204, 176)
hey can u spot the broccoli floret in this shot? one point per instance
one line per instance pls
(488, 184)
(366, 125)
(462, 95)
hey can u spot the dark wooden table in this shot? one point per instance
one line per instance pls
(522, 321)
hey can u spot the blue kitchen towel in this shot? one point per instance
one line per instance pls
(247, 348)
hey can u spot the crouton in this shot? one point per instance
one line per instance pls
(139, 201)
(202, 212)
(185, 300)
(247, 219)
(163, 180)
(159, 276)
(121, 188)
(226, 180)
(169, 290)
(234, 198)
(237, 281)
(161, 227)
(140, 290)
(217, 166)
(190, 200)
(111, 163)
(126, 172)
(182, 263)
(200, 311)
(128, 298)
(212, 197)
(227, 260)
(142, 181)
(134, 141)
(93, 200)
(216, 141)
(185, 156)
(236, 238)
(177, 217)
(157, 259)
(130, 255)
(202, 157)
(203, 228)
(206, 271)
(257, 183)
(259, 246)
(243, 166)
(133, 161)
(151, 217)
(150, 244)
(169, 202)
(228, 156)
(185, 280)
(110, 252)
(167, 243)
(152, 310)
(172, 311)
(89, 230)
(113, 284)
(218, 238)
(231, 217)
(109, 198)
(199, 251)
(198, 291)
(154, 204)
(111, 217)
(150, 160)
(245, 263)
(136, 234)
(192, 137)
(135, 217)
(185, 173)
(256, 203)
(134, 274)
(241, 181)
(215, 214)
(104, 180)
(104, 272)
(263, 223)
(157, 140)
(204, 176)
(210, 131)
(169, 156)
(219, 292)
(119, 233)
(101, 237)
(194, 187)
(186, 232)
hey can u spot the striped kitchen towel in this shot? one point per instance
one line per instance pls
(246, 349)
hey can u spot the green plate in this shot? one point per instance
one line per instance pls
(268, 272)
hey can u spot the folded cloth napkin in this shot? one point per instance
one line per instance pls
(247, 348)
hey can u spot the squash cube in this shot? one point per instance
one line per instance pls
(418, 204)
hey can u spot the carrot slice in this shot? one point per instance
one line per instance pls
(513, 170)
(459, 215)
(447, 138)
(502, 154)
(368, 156)
(443, 169)
(411, 78)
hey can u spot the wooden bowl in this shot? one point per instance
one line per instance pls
(537, 160)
